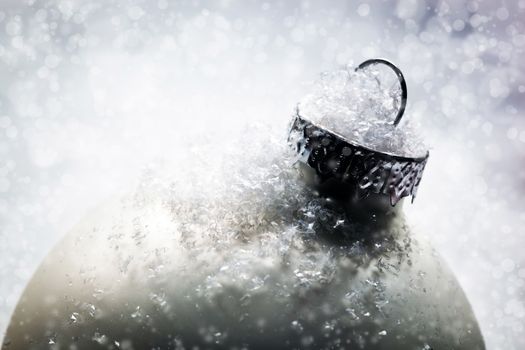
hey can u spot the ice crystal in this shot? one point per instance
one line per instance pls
(361, 106)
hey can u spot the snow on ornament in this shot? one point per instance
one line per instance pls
(246, 257)
(343, 130)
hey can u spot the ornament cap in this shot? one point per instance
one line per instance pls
(371, 171)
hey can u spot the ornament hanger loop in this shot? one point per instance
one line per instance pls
(400, 77)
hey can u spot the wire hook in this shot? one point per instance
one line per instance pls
(400, 77)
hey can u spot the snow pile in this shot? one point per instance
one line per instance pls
(361, 106)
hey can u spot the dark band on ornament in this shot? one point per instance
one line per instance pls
(332, 156)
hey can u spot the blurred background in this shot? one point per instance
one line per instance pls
(91, 92)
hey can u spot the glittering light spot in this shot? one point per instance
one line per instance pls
(4, 184)
(522, 136)
(519, 40)
(11, 132)
(363, 10)
(162, 4)
(297, 35)
(52, 61)
(487, 128)
(135, 12)
(13, 27)
(5, 121)
(507, 265)
(512, 133)
(502, 13)
(498, 88)
(458, 25)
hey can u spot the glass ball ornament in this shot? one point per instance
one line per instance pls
(259, 255)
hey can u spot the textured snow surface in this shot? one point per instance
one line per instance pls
(229, 256)
(361, 106)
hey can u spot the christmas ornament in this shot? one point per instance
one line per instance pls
(270, 256)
